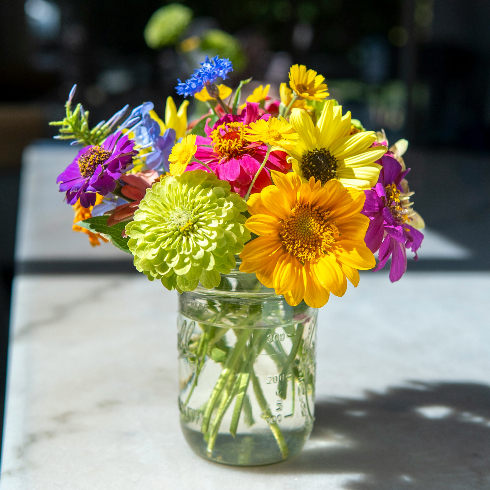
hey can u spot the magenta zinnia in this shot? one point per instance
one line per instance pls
(390, 229)
(234, 159)
(96, 169)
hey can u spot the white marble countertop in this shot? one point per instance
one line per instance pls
(403, 392)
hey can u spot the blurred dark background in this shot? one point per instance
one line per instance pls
(420, 69)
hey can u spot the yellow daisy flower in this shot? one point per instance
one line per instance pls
(259, 94)
(286, 96)
(328, 150)
(182, 154)
(277, 133)
(204, 96)
(307, 83)
(311, 238)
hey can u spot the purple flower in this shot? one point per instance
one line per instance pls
(96, 169)
(388, 208)
(210, 71)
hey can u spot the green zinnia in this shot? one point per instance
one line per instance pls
(187, 230)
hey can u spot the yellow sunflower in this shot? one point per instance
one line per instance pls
(307, 83)
(203, 95)
(311, 238)
(328, 150)
(275, 132)
(182, 154)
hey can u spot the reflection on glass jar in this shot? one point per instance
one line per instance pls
(246, 372)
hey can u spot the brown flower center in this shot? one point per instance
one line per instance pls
(319, 163)
(393, 202)
(91, 159)
(307, 233)
(301, 88)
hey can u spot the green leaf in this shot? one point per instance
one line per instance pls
(217, 355)
(98, 224)
(199, 127)
(238, 93)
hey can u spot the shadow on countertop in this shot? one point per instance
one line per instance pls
(427, 436)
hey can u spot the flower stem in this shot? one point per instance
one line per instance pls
(290, 105)
(228, 395)
(200, 356)
(202, 163)
(267, 414)
(228, 369)
(212, 109)
(247, 195)
(223, 105)
(283, 384)
(244, 378)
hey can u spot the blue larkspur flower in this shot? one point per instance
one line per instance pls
(146, 134)
(210, 71)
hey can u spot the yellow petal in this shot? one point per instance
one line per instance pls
(266, 273)
(182, 120)
(351, 274)
(155, 117)
(325, 125)
(316, 295)
(256, 206)
(349, 146)
(355, 255)
(328, 196)
(370, 155)
(263, 224)
(303, 125)
(275, 201)
(259, 249)
(295, 295)
(283, 273)
(329, 275)
(349, 205)
(354, 228)
(288, 183)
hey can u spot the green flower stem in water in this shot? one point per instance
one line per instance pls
(298, 339)
(227, 371)
(216, 338)
(242, 382)
(267, 414)
(228, 395)
(201, 357)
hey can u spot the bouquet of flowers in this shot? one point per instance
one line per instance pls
(294, 190)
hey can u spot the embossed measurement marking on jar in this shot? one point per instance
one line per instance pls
(278, 337)
(276, 378)
(190, 414)
(274, 419)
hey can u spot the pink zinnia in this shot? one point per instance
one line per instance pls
(234, 159)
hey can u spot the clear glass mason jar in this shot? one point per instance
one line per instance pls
(246, 372)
